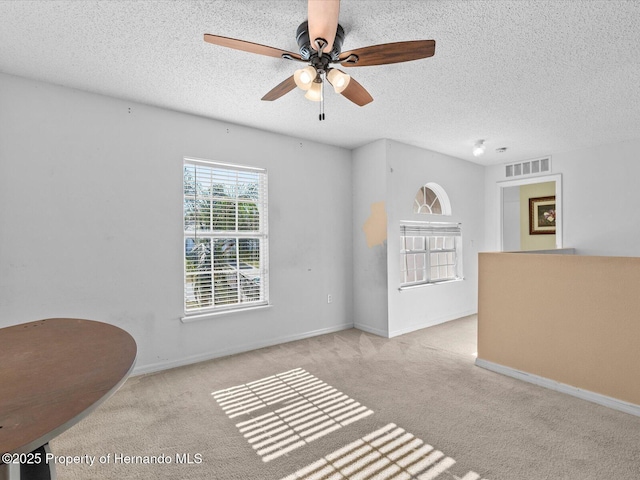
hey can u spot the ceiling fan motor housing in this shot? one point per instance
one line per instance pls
(304, 42)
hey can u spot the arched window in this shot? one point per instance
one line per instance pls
(432, 199)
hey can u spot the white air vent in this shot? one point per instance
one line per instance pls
(536, 166)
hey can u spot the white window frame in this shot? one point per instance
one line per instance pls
(234, 236)
(422, 244)
(441, 197)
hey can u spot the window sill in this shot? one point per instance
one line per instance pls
(203, 316)
(420, 285)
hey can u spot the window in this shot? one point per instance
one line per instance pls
(430, 253)
(225, 237)
(432, 199)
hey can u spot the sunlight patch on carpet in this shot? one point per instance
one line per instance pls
(308, 409)
(389, 453)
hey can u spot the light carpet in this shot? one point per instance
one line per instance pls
(355, 406)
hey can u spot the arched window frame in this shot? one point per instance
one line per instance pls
(441, 198)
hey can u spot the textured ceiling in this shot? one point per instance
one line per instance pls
(538, 77)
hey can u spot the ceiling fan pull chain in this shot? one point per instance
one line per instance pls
(321, 116)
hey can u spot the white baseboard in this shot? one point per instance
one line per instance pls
(561, 387)
(368, 329)
(181, 362)
(432, 322)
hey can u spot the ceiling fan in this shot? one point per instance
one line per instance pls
(320, 40)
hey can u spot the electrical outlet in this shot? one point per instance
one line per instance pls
(329, 298)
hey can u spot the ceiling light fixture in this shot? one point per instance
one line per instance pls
(314, 93)
(338, 79)
(479, 148)
(304, 77)
(320, 39)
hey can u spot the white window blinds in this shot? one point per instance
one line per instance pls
(430, 253)
(225, 236)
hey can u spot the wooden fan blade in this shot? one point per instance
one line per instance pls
(323, 21)
(357, 93)
(387, 53)
(280, 89)
(250, 47)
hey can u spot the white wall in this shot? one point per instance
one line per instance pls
(600, 198)
(511, 223)
(391, 173)
(408, 168)
(91, 219)
(369, 250)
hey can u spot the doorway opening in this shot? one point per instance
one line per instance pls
(519, 202)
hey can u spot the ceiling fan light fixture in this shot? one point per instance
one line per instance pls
(304, 77)
(314, 93)
(320, 40)
(479, 148)
(338, 79)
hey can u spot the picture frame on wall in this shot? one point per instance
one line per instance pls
(542, 215)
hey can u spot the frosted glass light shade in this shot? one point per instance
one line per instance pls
(304, 77)
(315, 92)
(338, 79)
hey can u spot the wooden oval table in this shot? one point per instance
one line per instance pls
(53, 373)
